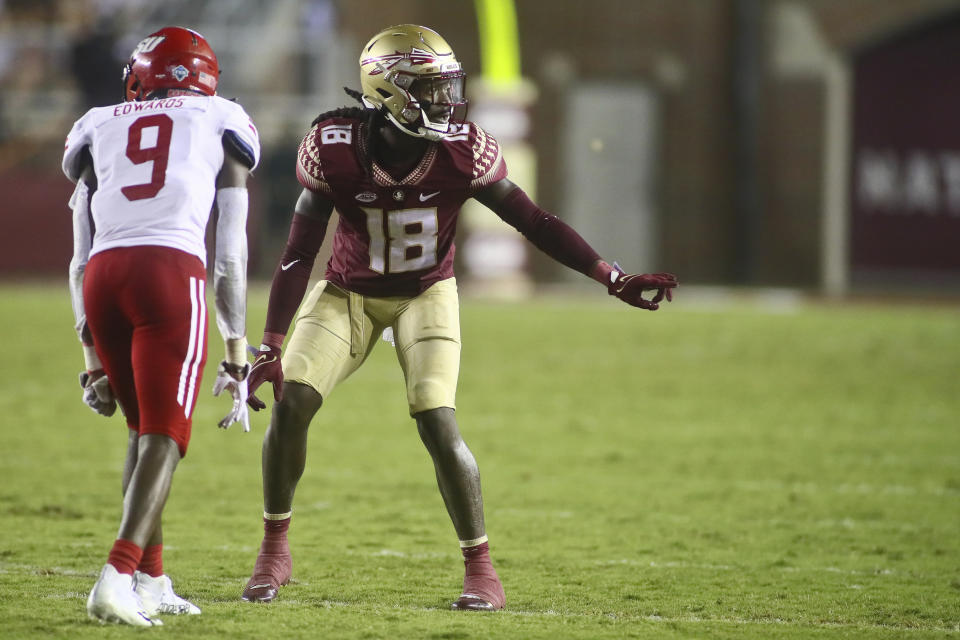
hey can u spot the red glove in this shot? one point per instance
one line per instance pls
(630, 287)
(266, 367)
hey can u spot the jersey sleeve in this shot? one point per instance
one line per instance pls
(309, 169)
(78, 138)
(238, 127)
(488, 163)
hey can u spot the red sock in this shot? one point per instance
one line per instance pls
(480, 578)
(479, 553)
(125, 556)
(275, 536)
(152, 561)
(274, 564)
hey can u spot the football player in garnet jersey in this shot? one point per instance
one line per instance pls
(397, 171)
(148, 170)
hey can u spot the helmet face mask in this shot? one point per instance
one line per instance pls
(174, 59)
(446, 90)
(411, 74)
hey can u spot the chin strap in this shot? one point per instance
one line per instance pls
(421, 132)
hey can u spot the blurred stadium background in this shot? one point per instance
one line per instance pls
(806, 144)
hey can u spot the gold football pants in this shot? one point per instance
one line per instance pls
(336, 330)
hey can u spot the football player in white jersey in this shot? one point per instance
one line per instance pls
(148, 171)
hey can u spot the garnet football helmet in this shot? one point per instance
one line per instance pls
(411, 73)
(173, 58)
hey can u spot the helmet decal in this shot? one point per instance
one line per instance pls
(148, 44)
(208, 80)
(415, 56)
(412, 74)
(180, 72)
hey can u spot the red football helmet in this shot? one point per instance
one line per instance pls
(173, 58)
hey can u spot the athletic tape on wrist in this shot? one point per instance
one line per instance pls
(90, 358)
(236, 351)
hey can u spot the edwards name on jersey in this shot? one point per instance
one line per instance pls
(395, 237)
(157, 162)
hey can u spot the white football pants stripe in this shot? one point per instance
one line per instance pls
(188, 372)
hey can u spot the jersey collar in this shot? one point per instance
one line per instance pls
(383, 177)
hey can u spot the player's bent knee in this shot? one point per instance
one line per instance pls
(298, 405)
(438, 417)
(438, 429)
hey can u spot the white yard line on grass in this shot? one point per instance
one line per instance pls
(723, 567)
(860, 488)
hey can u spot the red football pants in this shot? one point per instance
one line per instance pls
(146, 310)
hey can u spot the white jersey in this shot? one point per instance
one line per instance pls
(156, 163)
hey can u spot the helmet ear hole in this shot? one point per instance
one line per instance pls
(131, 88)
(383, 92)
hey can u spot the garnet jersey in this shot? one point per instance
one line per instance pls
(395, 237)
(156, 163)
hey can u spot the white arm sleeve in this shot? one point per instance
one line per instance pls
(82, 240)
(230, 271)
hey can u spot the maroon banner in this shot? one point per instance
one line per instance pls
(905, 196)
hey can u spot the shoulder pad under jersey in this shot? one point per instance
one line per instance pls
(329, 144)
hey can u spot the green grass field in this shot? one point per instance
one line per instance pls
(700, 472)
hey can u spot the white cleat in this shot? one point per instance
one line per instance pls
(158, 596)
(114, 600)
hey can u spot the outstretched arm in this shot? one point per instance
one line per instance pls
(290, 279)
(561, 242)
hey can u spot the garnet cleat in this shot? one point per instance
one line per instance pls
(468, 602)
(260, 591)
(272, 571)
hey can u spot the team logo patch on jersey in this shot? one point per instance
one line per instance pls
(180, 72)
(366, 196)
(398, 195)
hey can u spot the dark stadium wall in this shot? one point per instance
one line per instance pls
(37, 241)
(793, 123)
(905, 169)
(37, 238)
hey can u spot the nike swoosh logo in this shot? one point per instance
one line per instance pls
(284, 267)
(261, 360)
(426, 196)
